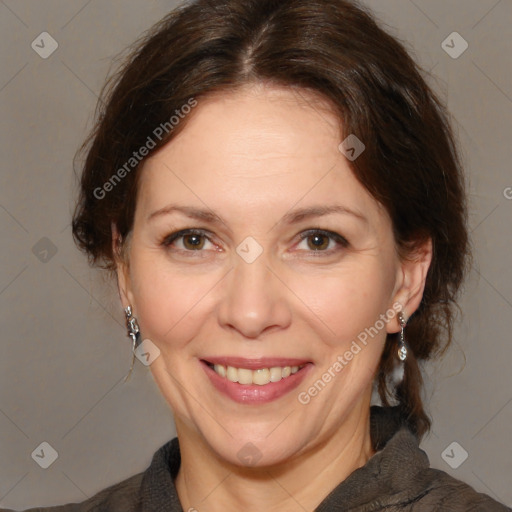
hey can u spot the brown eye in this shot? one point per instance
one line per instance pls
(318, 241)
(193, 241)
(187, 240)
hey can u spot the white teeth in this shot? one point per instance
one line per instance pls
(220, 370)
(231, 374)
(244, 376)
(259, 377)
(276, 374)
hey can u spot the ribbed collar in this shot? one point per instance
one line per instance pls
(387, 473)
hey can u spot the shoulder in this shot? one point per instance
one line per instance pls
(438, 490)
(404, 479)
(147, 490)
(125, 496)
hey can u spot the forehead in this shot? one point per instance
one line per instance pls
(254, 123)
(257, 147)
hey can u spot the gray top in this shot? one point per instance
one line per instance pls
(396, 478)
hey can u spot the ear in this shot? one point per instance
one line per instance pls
(411, 277)
(122, 269)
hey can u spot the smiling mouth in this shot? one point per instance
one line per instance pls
(260, 376)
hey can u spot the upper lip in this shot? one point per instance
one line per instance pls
(255, 364)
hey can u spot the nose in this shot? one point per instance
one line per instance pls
(254, 299)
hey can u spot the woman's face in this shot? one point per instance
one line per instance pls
(253, 172)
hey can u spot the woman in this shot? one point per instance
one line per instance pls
(278, 193)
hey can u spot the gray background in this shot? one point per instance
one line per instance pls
(64, 353)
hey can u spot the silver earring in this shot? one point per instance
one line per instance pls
(133, 333)
(402, 350)
(133, 327)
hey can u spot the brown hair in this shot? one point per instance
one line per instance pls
(333, 48)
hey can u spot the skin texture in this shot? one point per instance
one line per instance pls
(252, 156)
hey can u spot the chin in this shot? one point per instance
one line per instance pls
(256, 450)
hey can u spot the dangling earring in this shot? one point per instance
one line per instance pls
(133, 327)
(402, 350)
(133, 332)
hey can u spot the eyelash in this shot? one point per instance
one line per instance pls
(337, 238)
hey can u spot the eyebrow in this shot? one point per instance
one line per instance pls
(189, 211)
(319, 211)
(292, 217)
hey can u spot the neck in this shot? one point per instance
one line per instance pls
(207, 483)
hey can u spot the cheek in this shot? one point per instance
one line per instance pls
(348, 300)
(168, 303)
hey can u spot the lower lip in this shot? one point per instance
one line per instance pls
(252, 393)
